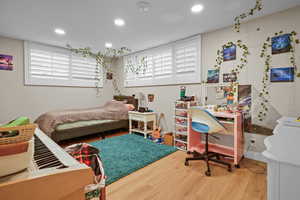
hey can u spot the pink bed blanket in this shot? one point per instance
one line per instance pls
(113, 110)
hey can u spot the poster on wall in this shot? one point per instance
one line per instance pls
(284, 74)
(281, 44)
(229, 77)
(109, 76)
(213, 76)
(6, 62)
(229, 53)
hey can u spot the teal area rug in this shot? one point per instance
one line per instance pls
(125, 154)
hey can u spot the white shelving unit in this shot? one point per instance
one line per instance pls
(181, 127)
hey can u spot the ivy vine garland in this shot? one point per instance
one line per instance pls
(264, 93)
(220, 58)
(103, 59)
(258, 6)
(136, 65)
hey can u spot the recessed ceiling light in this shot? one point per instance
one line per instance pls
(119, 22)
(197, 8)
(59, 31)
(108, 45)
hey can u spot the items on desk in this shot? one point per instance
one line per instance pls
(188, 98)
(182, 92)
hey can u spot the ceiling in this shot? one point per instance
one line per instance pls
(91, 22)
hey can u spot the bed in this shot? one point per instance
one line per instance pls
(59, 126)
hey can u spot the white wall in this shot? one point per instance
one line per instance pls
(16, 99)
(284, 96)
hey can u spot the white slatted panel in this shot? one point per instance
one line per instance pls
(129, 75)
(84, 69)
(48, 65)
(175, 63)
(162, 64)
(186, 58)
(148, 74)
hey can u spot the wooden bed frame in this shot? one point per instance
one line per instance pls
(93, 129)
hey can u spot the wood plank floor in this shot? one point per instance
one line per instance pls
(169, 179)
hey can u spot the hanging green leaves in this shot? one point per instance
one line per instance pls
(267, 56)
(103, 60)
(237, 20)
(136, 65)
(243, 60)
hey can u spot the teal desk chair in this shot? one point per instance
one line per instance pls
(204, 123)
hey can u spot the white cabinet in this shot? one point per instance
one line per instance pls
(283, 162)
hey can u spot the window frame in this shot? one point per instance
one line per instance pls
(176, 78)
(29, 81)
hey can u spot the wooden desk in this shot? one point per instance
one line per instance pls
(234, 124)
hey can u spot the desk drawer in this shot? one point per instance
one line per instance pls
(137, 117)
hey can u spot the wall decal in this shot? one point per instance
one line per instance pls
(285, 74)
(281, 44)
(229, 53)
(151, 97)
(109, 75)
(6, 62)
(229, 77)
(213, 76)
(243, 60)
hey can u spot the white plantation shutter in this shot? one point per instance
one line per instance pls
(84, 70)
(175, 63)
(187, 61)
(162, 64)
(49, 65)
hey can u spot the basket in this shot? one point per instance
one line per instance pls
(25, 133)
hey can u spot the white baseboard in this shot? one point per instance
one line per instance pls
(255, 156)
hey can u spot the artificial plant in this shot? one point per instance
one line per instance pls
(266, 54)
(237, 20)
(245, 52)
(104, 60)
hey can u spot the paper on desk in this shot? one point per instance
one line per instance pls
(289, 121)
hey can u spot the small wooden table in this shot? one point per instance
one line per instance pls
(142, 117)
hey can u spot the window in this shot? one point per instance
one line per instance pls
(175, 63)
(49, 65)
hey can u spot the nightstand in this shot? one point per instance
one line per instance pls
(145, 117)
